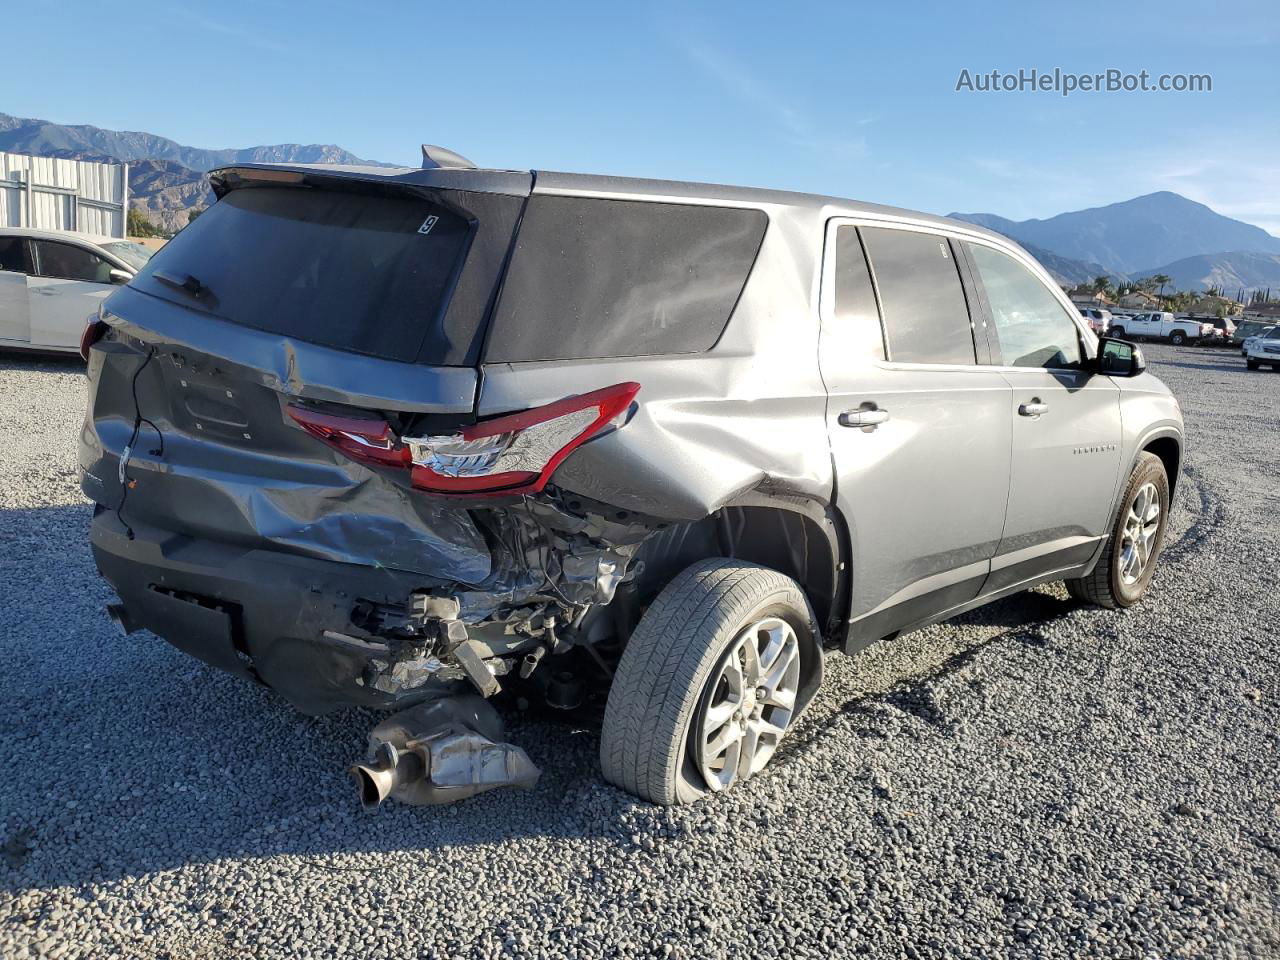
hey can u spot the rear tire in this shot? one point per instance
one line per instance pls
(1177, 338)
(1128, 561)
(663, 737)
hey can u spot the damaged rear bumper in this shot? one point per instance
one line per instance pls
(277, 618)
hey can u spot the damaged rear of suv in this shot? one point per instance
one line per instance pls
(407, 439)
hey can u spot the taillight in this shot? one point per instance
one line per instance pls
(368, 441)
(512, 454)
(94, 328)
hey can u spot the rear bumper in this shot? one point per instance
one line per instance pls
(260, 615)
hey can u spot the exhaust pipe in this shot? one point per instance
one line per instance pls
(444, 750)
(119, 615)
(385, 773)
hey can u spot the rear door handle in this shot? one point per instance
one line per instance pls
(863, 418)
(1033, 409)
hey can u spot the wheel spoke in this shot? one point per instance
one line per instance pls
(749, 659)
(718, 715)
(748, 745)
(728, 735)
(777, 635)
(780, 697)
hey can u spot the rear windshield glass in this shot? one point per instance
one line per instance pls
(360, 272)
(621, 278)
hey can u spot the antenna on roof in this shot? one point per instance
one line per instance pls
(434, 157)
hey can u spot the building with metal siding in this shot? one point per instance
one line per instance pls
(48, 193)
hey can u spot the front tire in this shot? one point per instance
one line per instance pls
(1252, 364)
(713, 677)
(1128, 561)
(1117, 332)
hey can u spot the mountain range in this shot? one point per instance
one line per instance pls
(166, 178)
(1159, 233)
(1191, 243)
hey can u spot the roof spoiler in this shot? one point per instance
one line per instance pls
(434, 157)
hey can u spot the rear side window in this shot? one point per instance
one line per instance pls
(620, 278)
(361, 272)
(65, 261)
(13, 254)
(925, 315)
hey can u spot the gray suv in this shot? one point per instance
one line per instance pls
(414, 439)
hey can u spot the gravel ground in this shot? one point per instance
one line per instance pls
(1033, 779)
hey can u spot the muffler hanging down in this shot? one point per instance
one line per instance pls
(440, 751)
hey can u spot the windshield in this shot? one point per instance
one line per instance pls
(360, 272)
(134, 254)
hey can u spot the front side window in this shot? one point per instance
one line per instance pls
(925, 315)
(63, 261)
(1033, 328)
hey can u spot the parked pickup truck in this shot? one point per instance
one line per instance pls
(1158, 326)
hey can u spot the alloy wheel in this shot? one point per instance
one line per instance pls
(1138, 540)
(750, 703)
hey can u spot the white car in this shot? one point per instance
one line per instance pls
(1099, 320)
(1249, 341)
(51, 281)
(1264, 349)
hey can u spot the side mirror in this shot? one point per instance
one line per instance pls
(1119, 358)
(120, 277)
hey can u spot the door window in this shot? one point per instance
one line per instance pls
(854, 305)
(67, 262)
(1033, 328)
(13, 255)
(926, 318)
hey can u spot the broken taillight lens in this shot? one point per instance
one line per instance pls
(94, 328)
(368, 441)
(512, 454)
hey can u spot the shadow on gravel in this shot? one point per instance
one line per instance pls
(128, 758)
(124, 757)
(916, 696)
(52, 362)
(1222, 364)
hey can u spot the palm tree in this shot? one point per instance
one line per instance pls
(1161, 279)
(1101, 286)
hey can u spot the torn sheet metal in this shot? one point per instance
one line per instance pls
(441, 751)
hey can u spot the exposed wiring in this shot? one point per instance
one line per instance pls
(138, 421)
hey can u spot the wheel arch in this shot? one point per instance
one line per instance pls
(1168, 447)
(798, 536)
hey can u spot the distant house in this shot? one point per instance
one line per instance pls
(1140, 300)
(1085, 297)
(1262, 311)
(1212, 306)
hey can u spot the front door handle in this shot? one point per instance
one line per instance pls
(865, 417)
(1033, 409)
